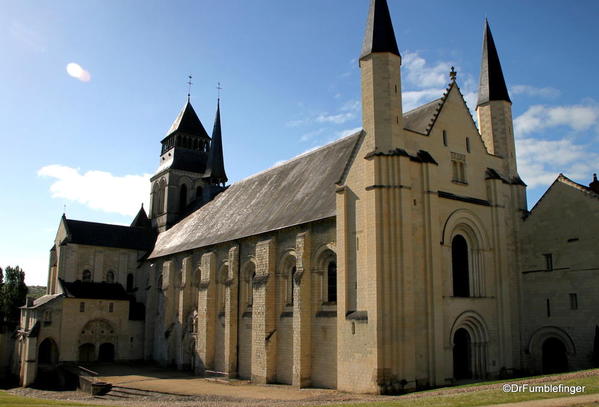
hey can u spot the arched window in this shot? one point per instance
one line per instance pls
(460, 267)
(160, 197)
(86, 276)
(289, 286)
(462, 355)
(332, 282)
(110, 276)
(182, 198)
(130, 282)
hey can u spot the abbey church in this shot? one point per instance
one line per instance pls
(386, 261)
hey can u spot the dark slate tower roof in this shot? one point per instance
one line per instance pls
(380, 36)
(492, 85)
(188, 122)
(141, 219)
(216, 164)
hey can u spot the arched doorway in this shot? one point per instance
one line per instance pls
(462, 355)
(106, 352)
(48, 352)
(460, 267)
(87, 352)
(47, 358)
(555, 359)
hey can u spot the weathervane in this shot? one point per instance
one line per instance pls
(189, 88)
(219, 89)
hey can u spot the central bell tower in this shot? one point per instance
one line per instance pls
(191, 170)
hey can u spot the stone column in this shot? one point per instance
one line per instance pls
(264, 344)
(185, 307)
(231, 309)
(206, 313)
(302, 312)
(29, 362)
(169, 311)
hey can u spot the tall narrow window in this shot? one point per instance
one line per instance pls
(548, 261)
(110, 276)
(111, 307)
(573, 301)
(332, 282)
(548, 304)
(250, 293)
(182, 198)
(458, 165)
(289, 286)
(86, 276)
(129, 282)
(459, 266)
(81, 307)
(468, 144)
(444, 138)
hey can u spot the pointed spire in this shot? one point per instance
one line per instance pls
(141, 219)
(492, 84)
(216, 164)
(187, 121)
(380, 36)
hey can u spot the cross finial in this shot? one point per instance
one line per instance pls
(219, 88)
(189, 83)
(453, 74)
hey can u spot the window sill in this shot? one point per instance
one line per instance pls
(357, 316)
(456, 181)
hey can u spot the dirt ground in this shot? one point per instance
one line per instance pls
(154, 387)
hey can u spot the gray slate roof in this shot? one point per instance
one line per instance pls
(298, 191)
(419, 119)
(492, 84)
(380, 36)
(106, 235)
(187, 121)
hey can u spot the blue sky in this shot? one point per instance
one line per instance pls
(290, 82)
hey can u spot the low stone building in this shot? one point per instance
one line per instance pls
(91, 311)
(560, 260)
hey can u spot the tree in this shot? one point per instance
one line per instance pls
(13, 295)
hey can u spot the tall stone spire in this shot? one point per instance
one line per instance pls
(492, 84)
(380, 36)
(216, 163)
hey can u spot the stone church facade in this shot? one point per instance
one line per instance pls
(385, 261)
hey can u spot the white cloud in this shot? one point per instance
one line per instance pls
(339, 118)
(417, 72)
(540, 161)
(414, 98)
(528, 90)
(539, 117)
(310, 135)
(99, 190)
(76, 71)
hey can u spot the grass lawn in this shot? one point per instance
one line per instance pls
(491, 396)
(7, 399)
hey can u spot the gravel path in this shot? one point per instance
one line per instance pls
(137, 391)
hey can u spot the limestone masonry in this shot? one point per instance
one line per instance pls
(398, 258)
